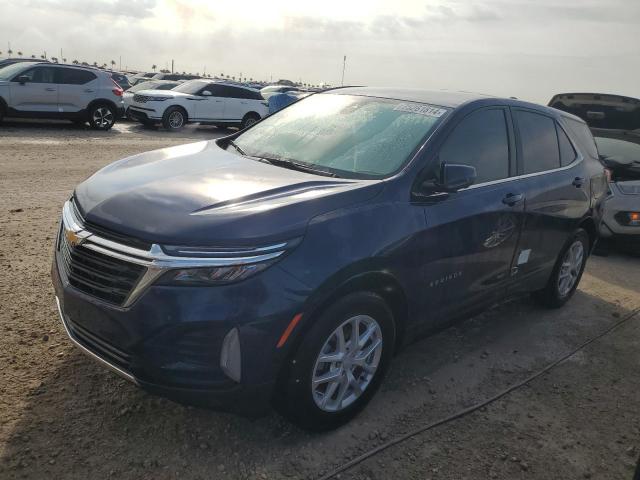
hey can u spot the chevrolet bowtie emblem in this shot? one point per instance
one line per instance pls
(73, 238)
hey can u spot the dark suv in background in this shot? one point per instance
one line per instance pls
(615, 124)
(286, 263)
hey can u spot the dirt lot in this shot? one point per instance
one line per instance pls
(63, 416)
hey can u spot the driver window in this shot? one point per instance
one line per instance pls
(39, 75)
(481, 141)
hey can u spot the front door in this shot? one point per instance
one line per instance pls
(38, 94)
(472, 235)
(210, 107)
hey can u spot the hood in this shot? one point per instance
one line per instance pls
(201, 195)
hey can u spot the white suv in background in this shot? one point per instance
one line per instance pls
(48, 90)
(202, 101)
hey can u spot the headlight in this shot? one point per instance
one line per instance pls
(212, 275)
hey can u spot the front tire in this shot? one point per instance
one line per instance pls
(174, 118)
(102, 117)
(340, 363)
(567, 272)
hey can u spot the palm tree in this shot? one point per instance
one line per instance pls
(54, 59)
(113, 63)
(153, 67)
(75, 62)
(19, 54)
(95, 64)
(9, 52)
(42, 57)
(33, 56)
(64, 60)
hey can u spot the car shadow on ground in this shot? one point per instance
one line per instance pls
(84, 422)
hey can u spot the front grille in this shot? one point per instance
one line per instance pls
(141, 98)
(98, 275)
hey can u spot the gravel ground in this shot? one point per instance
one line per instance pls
(63, 416)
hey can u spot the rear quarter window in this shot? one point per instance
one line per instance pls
(583, 136)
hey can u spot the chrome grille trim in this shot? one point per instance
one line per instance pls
(155, 260)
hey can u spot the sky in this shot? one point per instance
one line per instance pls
(530, 49)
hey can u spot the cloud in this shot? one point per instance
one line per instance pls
(112, 8)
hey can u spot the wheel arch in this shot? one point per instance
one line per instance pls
(100, 101)
(588, 224)
(358, 278)
(181, 107)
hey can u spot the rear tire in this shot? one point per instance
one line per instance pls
(174, 118)
(567, 272)
(317, 404)
(248, 120)
(102, 116)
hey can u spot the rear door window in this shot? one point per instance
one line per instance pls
(480, 140)
(539, 142)
(74, 76)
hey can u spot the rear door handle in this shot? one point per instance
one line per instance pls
(88, 90)
(50, 89)
(578, 182)
(512, 199)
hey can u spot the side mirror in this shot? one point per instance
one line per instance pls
(206, 93)
(22, 79)
(455, 177)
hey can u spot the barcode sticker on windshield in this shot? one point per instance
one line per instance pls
(427, 110)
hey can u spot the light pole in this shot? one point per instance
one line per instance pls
(344, 65)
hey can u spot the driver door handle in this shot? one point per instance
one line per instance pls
(578, 182)
(50, 89)
(512, 199)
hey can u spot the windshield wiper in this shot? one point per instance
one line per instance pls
(302, 167)
(238, 149)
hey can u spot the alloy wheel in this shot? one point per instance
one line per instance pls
(176, 119)
(570, 268)
(347, 363)
(102, 117)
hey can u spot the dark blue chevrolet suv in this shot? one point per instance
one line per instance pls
(286, 263)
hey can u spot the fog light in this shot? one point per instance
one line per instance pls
(634, 218)
(230, 356)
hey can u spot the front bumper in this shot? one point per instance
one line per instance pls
(169, 341)
(143, 114)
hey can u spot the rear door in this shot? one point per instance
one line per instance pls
(241, 101)
(552, 178)
(38, 94)
(472, 234)
(76, 88)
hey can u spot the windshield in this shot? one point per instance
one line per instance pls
(192, 87)
(8, 72)
(352, 136)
